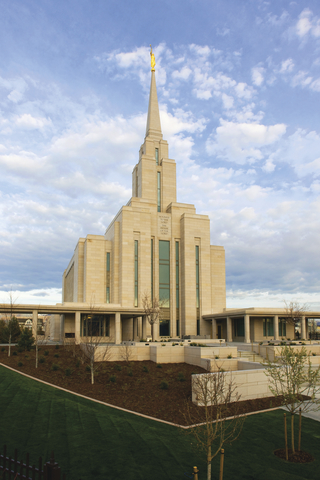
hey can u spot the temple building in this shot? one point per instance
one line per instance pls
(154, 246)
(159, 248)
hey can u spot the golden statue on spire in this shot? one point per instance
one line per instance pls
(153, 61)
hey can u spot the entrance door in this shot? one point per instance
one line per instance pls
(219, 331)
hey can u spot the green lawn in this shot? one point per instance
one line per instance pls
(92, 441)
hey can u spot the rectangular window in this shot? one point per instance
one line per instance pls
(157, 156)
(198, 289)
(282, 327)
(164, 287)
(268, 327)
(238, 327)
(95, 325)
(159, 191)
(177, 290)
(136, 273)
(151, 268)
(108, 279)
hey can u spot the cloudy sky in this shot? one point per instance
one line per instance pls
(239, 93)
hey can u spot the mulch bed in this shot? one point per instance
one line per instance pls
(297, 457)
(160, 391)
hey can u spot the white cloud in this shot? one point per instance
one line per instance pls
(257, 74)
(269, 166)
(308, 23)
(301, 150)
(28, 122)
(199, 50)
(242, 142)
(287, 66)
(183, 74)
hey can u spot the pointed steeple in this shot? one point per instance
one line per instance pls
(153, 121)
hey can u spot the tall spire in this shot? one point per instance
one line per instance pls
(153, 121)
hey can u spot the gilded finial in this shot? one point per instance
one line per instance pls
(153, 61)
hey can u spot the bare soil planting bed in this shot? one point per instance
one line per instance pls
(136, 386)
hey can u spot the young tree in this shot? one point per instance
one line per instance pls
(26, 339)
(294, 311)
(292, 378)
(10, 332)
(214, 391)
(152, 310)
(42, 336)
(92, 341)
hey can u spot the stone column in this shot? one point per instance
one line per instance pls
(117, 325)
(214, 329)
(229, 329)
(61, 330)
(276, 327)
(144, 327)
(77, 327)
(247, 329)
(303, 328)
(35, 323)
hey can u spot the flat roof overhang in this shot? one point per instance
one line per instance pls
(63, 308)
(255, 312)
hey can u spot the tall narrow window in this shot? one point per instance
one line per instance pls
(164, 286)
(108, 278)
(157, 156)
(159, 191)
(136, 273)
(177, 290)
(198, 290)
(151, 268)
(282, 327)
(268, 327)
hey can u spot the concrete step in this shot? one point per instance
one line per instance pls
(251, 356)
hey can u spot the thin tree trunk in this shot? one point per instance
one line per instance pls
(221, 463)
(92, 373)
(285, 435)
(209, 463)
(152, 332)
(299, 442)
(9, 350)
(292, 432)
(36, 354)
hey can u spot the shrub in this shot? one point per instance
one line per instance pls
(88, 369)
(78, 363)
(46, 352)
(313, 354)
(3, 349)
(113, 379)
(20, 364)
(57, 347)
(164, 385)
(68, 372)
(42, 360)
(55, 367)
(14, 353)
(230, 355)
(181, 377)
(130, 373)
(159, 365)
(118, 367)
(56, 355)
(20, 349)
(216, 357)
(146, 369)
(26, 339)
